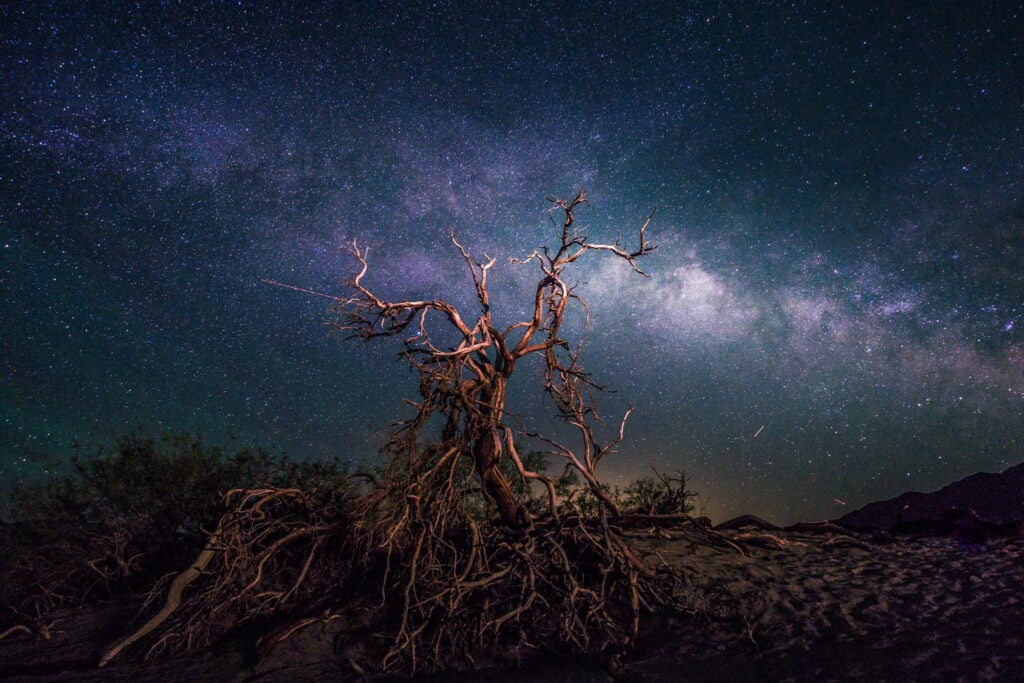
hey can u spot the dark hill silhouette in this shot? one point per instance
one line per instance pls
(997, 499)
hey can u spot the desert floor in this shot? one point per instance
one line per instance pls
(764, 605)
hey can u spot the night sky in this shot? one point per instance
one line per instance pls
(835, 312)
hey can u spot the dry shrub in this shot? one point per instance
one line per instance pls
(122, 515)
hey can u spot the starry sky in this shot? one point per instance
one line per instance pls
(834, 315)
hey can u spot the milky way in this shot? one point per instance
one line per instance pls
(835, 312)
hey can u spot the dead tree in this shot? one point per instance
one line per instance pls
(450, 582)
(467, 385)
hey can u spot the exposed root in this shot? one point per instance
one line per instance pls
(771, 540)
(173, 597)
(20, 628)
(553, 584)
(454, 589)
(721, 539)
(845, 540)
(258, 561)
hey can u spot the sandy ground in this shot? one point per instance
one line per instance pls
(803, 606)
(824, 607)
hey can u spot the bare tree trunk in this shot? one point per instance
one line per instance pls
(496, 487)
(486, 450)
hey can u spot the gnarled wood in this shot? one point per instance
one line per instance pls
(467, 384)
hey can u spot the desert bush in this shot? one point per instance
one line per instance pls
(121, 515)
(171, 484)
(664, 495)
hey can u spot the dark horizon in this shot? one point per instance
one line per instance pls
(835, 313)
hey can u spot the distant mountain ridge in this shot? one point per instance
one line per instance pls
(995, 498)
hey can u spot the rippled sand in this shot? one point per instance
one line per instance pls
(827, 606)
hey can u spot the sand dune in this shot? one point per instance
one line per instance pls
(793, 605)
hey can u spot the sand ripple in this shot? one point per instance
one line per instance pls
(802, 606)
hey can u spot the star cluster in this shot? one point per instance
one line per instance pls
(835, 311)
